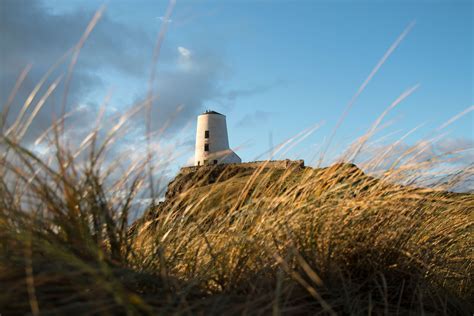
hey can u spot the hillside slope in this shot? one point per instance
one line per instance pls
(311, 240)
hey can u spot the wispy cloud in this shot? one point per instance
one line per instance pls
(164, 19)
(255, 90)
(254, 119)
(425, 163)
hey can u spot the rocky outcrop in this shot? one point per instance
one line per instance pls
(200, 176)
(204, 175)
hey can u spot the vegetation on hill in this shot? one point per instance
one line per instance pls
(228, 240)
(304, 240)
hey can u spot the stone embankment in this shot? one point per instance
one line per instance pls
(203, 175)
(273, 164)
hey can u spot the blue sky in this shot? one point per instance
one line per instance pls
(278, 67)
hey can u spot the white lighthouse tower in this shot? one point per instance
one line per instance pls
(212, 142)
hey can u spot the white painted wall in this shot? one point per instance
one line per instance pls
(218, 141)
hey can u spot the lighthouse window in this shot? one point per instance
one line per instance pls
(206, 147)
(206, 134)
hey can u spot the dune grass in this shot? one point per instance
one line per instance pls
(310, 240)
(228, 240)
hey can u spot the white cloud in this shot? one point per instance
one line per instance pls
(184, 52)
(164, 19)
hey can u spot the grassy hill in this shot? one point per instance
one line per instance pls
(300, 240)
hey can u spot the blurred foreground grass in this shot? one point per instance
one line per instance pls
(228, 240)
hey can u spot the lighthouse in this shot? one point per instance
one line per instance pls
(212, 142)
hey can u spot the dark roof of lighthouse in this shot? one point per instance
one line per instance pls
(211, 112)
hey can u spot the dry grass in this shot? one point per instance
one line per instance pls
(314, 240)
(228, 240)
